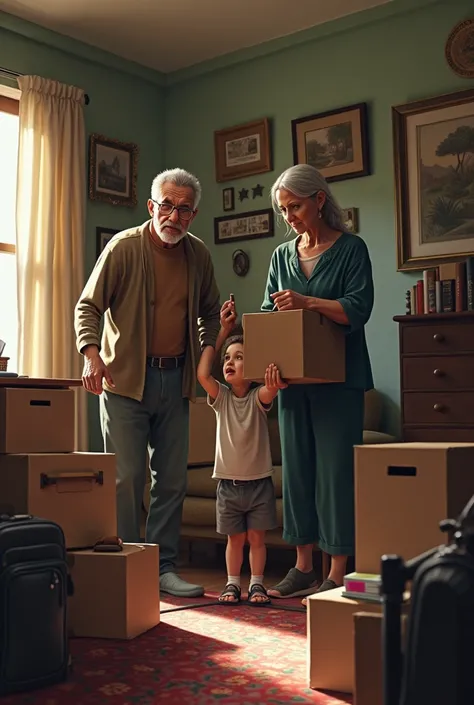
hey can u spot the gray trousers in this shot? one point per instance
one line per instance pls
(158, 424)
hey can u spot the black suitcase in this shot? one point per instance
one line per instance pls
(34, 586)
(436, 668)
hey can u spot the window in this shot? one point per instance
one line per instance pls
(9, 128)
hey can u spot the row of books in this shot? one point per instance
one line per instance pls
(445, 289)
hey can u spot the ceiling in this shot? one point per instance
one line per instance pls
(167, 35)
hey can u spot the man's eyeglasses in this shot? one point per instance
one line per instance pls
(184, 212)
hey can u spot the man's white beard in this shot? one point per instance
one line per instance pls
(171, 238)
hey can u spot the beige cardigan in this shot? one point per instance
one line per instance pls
(121, 288)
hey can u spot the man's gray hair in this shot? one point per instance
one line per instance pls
(304, 180)
(178, 177)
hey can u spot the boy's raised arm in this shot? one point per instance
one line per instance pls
(204, 370)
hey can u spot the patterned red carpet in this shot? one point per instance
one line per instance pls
(229, 655)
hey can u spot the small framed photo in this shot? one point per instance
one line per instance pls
(243, 150)
(244, 226)
(335, 142)
(228, 199)
(113, 171)
(102, 237)
(351, 220)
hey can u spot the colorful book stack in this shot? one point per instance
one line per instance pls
(362, 586)
(444, 289)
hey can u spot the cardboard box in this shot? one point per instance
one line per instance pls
(402, 492)
(202, 433)
(330, 638)
(116, 595)
(37, 420)
(306, 346)
(76, 490)
(368, 662)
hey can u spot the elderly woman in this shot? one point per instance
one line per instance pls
(326, 270)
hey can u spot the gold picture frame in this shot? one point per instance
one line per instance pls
(243, 150)
(433, 180)
(113, 168)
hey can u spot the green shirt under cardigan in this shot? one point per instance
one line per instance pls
(343, 273)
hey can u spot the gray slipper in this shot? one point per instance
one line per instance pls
(172, 584)
(296, 584)
(327, 585)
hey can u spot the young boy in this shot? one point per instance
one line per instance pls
(246, 506)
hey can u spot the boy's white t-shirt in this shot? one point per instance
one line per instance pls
(242, 440)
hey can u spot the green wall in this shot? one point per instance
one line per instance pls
(388, 55)
(126, 103)
(393, 59)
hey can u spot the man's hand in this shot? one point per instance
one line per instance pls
(228, 316)
(289, 300)
(94, 371)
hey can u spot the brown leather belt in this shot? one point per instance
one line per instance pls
(165, 363)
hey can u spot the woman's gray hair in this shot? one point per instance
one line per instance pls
(304, 180)
(178, 177)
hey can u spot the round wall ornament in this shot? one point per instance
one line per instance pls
(459, 49)
(240, 263)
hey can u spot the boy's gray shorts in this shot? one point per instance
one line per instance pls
(245, 504)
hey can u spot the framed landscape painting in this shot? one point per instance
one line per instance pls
(335, 142)
(113, 171)
(242, 150)
(434, 180)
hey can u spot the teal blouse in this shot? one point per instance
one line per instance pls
(344, 274)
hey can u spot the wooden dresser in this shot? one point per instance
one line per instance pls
(437, 376)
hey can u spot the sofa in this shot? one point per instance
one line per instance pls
(199, 512)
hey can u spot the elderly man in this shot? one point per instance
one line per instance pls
(155, 286)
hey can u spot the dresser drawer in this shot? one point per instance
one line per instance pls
(438, 408)
(438, 434)
(438, 338)
(438, 372)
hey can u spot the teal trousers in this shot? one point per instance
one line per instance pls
(159, 424)
(319, 426)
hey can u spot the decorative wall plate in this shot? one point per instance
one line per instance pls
(460, 49)
(240, 263)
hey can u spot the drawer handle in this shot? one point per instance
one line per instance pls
(439, 407)
(438, 373)
(438, 337)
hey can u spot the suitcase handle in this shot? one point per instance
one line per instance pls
(48, 480)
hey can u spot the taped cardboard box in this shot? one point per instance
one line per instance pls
(306, 346)
(75, 490)
(402, 492)
(116, 595)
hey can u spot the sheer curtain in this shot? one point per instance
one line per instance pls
(50, 231)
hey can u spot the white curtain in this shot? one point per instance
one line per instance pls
(50, 232)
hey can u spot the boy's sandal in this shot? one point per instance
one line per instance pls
(258, 590)
(232, 591)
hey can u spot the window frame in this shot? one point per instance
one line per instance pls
(12, 106)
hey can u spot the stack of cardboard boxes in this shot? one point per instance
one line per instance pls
(116, 594)
(402, 492)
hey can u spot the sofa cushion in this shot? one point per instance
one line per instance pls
(375, 437)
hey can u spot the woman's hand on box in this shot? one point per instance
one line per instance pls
(289, 300)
